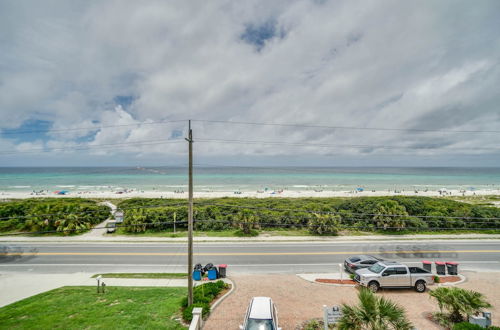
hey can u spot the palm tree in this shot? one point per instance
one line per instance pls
(458, 301)
(390, 215)
(373, 313)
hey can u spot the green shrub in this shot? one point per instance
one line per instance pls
(187, 313)
(249, 233)
(437, 279)
(313, 325)
(324, 224)
(458, 303)
(390, 213)
(68, 215)
(467, 326)
(203, 295)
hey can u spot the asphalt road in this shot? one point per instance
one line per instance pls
(290, 257)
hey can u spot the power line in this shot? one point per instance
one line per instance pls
(161, 122)
(354, 214)
(94, 128)
(326, 145)
(353, 218)
(85, 229)
(149, 224)
(95, 146)
(203, 203)
(345, 227)
(342, 127)
(90, 211)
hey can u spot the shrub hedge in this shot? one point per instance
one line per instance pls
(319, 215)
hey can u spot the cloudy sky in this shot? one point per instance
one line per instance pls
(373, 82)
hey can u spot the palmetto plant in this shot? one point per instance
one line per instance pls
(373, 313)
(458, 302)
(386, 215)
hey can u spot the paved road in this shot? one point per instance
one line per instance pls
(290, 257)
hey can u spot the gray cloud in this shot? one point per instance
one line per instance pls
(419, 65)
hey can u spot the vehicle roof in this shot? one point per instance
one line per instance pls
(390, 263)
(363, 257)
(260, 308)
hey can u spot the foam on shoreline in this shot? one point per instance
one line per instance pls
(252, 194)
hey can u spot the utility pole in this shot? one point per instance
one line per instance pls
(190, 218)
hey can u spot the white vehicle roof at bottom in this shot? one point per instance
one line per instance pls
(261, 308)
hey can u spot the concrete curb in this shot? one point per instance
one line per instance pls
(290, 239)
(321, 283)
(462, 280)
(221, 299)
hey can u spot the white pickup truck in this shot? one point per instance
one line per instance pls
(389, 274)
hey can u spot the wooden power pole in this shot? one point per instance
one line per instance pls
(190, 218)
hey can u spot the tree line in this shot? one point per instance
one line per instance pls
(322, 216)
(68, 215)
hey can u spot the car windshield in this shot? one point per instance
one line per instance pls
(257, 324)
(377, 268)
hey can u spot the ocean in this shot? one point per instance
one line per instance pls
(169, 179)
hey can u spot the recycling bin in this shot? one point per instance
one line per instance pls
(197, 275)
(427, 265)
(222, 270)
(440, 268)
(212, 274)
(452, 267)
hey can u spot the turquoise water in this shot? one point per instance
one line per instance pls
(246, 178)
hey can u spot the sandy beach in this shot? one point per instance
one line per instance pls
(253, 194)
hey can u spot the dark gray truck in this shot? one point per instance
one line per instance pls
(388, 274)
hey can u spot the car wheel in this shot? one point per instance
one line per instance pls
(420, 286)
(373, 286)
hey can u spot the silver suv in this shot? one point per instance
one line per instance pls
(389, 274)
(261, 315)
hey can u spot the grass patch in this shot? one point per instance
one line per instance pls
(83, 308)
(143, 275)
(305, 232)
(218, 233)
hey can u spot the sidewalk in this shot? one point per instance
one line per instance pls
(262, 238)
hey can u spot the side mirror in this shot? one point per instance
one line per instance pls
(241, 327)
(385, 274)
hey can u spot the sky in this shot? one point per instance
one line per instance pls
(375, 83)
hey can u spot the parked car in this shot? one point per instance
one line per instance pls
(353, 263)
(390, 274)
(261, 315)
(111, 226)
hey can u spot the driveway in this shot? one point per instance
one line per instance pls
(298, 300)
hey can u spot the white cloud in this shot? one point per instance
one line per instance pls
(380, 64)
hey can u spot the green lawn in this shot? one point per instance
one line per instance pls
(83, 308)
(143, 275)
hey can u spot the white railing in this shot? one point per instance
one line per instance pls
(197, 321)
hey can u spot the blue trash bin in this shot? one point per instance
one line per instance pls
(212, 274)
(197, 275)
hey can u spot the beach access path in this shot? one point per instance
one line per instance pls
(100, 230)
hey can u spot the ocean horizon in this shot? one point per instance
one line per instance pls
(240, 178)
